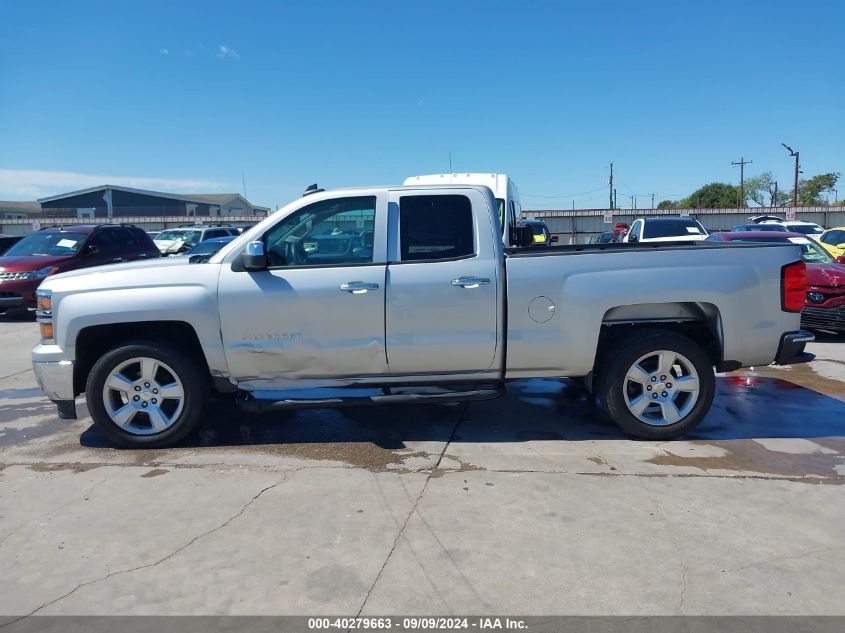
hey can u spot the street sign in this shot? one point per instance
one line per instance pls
(790, 215)
(608, 217)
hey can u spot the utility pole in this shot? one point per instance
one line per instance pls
(795, 187)
(652, 201)
(633, 202)
(614, 205)
(775, 196)
(610, 185)
(742, 163)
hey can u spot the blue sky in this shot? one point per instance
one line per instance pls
(188, 96)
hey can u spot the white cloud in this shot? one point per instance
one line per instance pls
(163, 51)
(27, 184)
(227, 51)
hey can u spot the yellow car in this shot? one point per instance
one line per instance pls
(833, 241)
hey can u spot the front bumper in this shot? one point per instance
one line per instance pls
(56, 380)
(791, 348)
(824, 318)
(18, 292)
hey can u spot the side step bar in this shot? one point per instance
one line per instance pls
(246, 401)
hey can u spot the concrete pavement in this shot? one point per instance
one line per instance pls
(530, 504)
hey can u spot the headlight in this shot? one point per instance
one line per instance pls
(44, 272)
(44, 314)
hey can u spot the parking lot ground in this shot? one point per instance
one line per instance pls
(530, 504)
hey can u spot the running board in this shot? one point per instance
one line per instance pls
(247, 401)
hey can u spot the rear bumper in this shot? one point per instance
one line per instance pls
(791, 348)
(824, 318)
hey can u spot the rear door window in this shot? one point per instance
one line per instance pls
(435, 227)
(104, 241)
(123, 239)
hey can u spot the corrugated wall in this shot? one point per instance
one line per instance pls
(577, 226)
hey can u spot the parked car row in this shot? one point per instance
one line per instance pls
(824, 306)
(58, 249)
(26, 261)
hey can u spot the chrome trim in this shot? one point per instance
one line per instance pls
(55, 378)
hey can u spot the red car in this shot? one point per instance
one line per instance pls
(58, 249)
(824, 307)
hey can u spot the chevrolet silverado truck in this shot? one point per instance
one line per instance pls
(301, 311)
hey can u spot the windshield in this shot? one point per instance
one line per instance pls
(56, 244)
(672, 228)
(811, 252)
(189, 237)
(814, 254)
(761, 227)
(806, 229)
(209, 247)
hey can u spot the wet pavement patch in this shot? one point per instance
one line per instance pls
(749, 456)
(155, 472)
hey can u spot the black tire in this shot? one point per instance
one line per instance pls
(612, 382)
(191, 375)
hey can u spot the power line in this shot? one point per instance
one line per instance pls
(742, 163)
(565, 195)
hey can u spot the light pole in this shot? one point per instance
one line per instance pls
(795, 187)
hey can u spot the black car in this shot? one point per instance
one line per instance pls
(6, 241)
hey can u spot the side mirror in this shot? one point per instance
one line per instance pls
(840, 245)
(92, 250)
(633, 238)
(841, 259)
(198, 259)
(254, 257)
(555, 238)
(522, 236)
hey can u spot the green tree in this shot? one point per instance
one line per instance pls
(669, 204)
(810, 191)
(763, 190)
(716, 195)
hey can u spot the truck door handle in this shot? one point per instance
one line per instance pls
(358, 287)
(470, 282)
(117, 259)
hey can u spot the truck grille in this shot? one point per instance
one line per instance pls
(20, 276)
(824, 318)
(10, 295)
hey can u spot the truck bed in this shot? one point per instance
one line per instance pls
(736, 289)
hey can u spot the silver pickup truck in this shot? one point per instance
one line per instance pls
(407, 294)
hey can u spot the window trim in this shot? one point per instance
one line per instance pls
(456, 258)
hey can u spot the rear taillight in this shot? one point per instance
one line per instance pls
(793, 286)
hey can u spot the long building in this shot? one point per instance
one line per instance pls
(111, 203)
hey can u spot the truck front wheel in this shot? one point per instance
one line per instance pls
(659, 385)
(145, 395)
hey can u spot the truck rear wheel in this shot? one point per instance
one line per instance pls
(659, 385)
(145, 395)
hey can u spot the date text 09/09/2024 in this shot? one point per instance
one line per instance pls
(417, 623)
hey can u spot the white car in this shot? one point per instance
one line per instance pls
(181, 240)
(665, 230)
(810, 229)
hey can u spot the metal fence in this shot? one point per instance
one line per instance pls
(579, 225)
